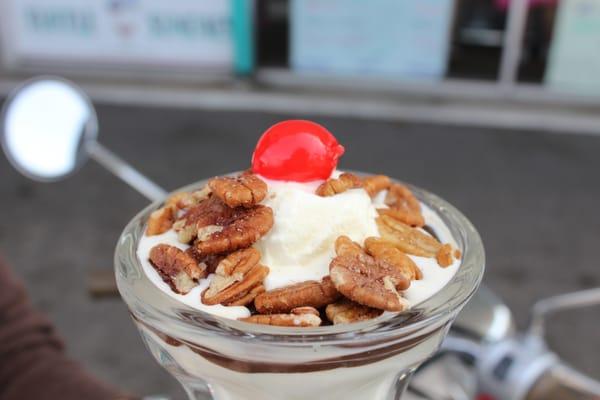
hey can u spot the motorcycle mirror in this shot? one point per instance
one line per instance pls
(49, 128)
(46, 126)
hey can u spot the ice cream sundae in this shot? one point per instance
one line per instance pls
(295, 242)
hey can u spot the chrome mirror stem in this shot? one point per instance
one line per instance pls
(125, 172)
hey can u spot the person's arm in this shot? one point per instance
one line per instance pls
(33, 364)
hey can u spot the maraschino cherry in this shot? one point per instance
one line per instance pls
(296, 150)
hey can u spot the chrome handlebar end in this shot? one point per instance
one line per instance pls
(543, 308)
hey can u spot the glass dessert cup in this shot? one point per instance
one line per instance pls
(229, 359)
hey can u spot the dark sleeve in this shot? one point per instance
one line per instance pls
(32, 360)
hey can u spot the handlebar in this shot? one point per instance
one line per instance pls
(521, 367)
(562, 382)
(543, 308)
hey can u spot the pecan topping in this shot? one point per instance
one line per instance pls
(305, 310)
(445, 255)
(246, 190)
(236, 279)
(404, 206)
(180, 200)
(247, 298)
(207, 261)
(185, 200)
(204, 232)
(345, 246)
(408, 217)
(345, 182)
(211, 211)
(220, 228)
(346, 312)
(368, 281)
(242, 229)
(177, 268)
(376, 183)
(381, 249)
(185, 233)
(299, 317)
(310, 293)
(406, 238)
(160, 221)
(399, 196)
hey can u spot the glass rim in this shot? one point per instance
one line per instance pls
(143, 297)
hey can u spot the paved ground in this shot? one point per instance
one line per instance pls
(534, 198)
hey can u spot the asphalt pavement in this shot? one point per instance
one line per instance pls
(534, 197)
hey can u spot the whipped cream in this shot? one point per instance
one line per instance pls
(300, 245)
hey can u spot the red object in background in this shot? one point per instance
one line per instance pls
(296, 150)
(484, 396)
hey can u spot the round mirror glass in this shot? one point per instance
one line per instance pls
(45, 126)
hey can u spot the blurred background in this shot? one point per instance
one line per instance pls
(492, 104)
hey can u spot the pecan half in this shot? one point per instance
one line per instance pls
(408, 217)
(376, 183)
(446, 254)
(301, 317)
(345, 182)
(211, 211)
(185, 200)
(236, 279)
(160, 221)
(345, 246)
(247, 298)
(406, 238)
(176, 267)
(399, 196)
(180, 200)
(381, 249)
(185, 233)
(369, 282)
(404, 206)
(220, 228)
(243, 228)
(310, 293)
(246, 190)
(305, 310)
(346, 312)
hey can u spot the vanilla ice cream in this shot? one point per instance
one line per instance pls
(300, 245)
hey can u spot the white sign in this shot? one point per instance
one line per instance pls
(574, 59)
(395, 38)
(149, 32)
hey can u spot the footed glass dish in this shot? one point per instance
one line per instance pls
(229, 359)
